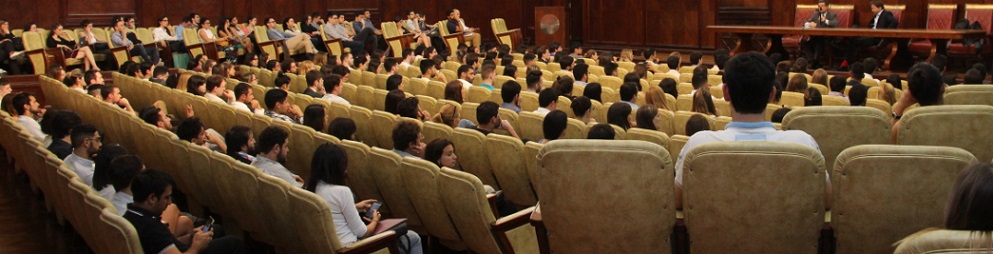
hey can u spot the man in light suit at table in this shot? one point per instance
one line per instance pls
(881, 19)
(822, 18)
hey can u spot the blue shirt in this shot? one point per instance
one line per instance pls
(511, 106)
(179, 32)
(487, 86)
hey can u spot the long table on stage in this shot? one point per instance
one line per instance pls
(899, 57)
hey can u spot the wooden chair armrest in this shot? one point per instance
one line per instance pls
(512, 221)
(492, 198)
(511, 31)
(374, 243)
(539, 230)
(459, 34)
(332, 40)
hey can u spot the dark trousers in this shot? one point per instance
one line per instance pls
(10, 65)
(813, 49)
(857, 44)
(226, 244)
(147, 55)
(368, 37)
(319, 44)
(178, 47)
(356, 46)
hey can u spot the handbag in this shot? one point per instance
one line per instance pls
(396, 225)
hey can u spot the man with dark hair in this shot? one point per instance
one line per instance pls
(858, 94)
(673, 62)
(720, 60)
(159, 75)
(293, 42)
(193, 131)
(407, 139)
(580, 72)
(59, 124)
(86, 141)
(273, 144)
(610, 69)
(93, 77)
(112, 94)
(858, 73)
(152, 191)
(601, 131)
(530, 59)
(511, 94)
(429, 71)
(456, 24)
(315, 84)
(123, 170)
(408, 58)
(332, 85)
(748, 87)
(547, 101)
(5, 86)
(155, 116)
(924, 87)
(488, 116)
(881, 19)
(973, 77)
(391, 66)
(695, 59)
(535, 81)
(629, 93)
(466, 76)
(336, 29)
(119, 38)
(567, 62)
(394, 82)
(280, 109)
(245, 99)
(217, 90)
(699, 79)
(577, 50)
(869, 66)
(27, 109)
(488, 76)
(939, 61)
(822, 18)
(241, 143)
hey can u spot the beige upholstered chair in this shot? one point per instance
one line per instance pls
(531, 126)
(482, 232)
(883, 193)
(385, 165)
(382, 124)
(963, 126)
(363, 123)
(469, 145)
(945, 241)
(969, 95)
(792, 99)
(506, 157)
(832, 127)
(531, 163)
(680, 118)
(360, 178)
(311, 216)
(580, 186)
(420, 178)
(753, 197)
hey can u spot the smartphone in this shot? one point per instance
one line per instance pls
(208, 225)
(373, 209)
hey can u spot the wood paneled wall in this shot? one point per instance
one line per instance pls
(598, 23)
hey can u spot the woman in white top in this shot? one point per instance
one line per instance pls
(223, 43)
(88, 38)
(328, 181)
(164, 38)
(291, 28)
(234, 34)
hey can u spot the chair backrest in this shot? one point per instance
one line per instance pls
(792, 99)
(945, 241)
(656, 137)
(969, 95)
(531, 126)
(962, 126)
(311, 215)
(803, 12)
(832, 127)
(684, 102)
(680, 118)
(469, 144)
(273, 198)
(360, 178)
(983, 13)
(465, 199)
(385, 165)
(845, 14)
(112, 223)
(576, 222)
(743, 220)
(382, 124)
(865, 175)
(941, 16)
(420, 178)
(365, 132)
(507, 161)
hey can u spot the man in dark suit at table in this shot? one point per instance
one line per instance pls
(822, 18)
(882, 19)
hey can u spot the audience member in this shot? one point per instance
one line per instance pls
(601, 131)
(280, 109)
(60, 125)
(924, 87)
(648, 118)
(102, 170)
(554, 125)
(488, 117)
(342, 128)
(407, 139)
(315, 117)
(620, 114)
(581, 109)
(547, 101)
(240, 143)
(697, 123)
(86, 141)
(593, 91)
(272, 146)
(193, 131)
(27, 111)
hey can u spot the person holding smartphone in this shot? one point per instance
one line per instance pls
(822, 18)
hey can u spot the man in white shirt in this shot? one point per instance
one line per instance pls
(408, 58)
(547, 101)
(216, 91)
(466, 76)
(273, 144)
(581, 74)
(749, 88)
(5, 87)
(86, 141)
(673, 62)
(456, 24)
(246, 99)
(123, 170)
(112, 94)
(629, 94)
(26, 107)
(429, 72)
(332, 84)
(336, 29)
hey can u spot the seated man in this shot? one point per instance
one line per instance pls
(511, 95)
(315, 86)
(547, 101)
(881, 19)
(749, 88)
(152, 191)
(245, 99)
(193, 131)
(280, 109)
(62, 122)
(822, 18)
(466, 76)
(924, 87)
(332, 84)
(26, 107)
(86, 141)
(456, 24)
(155, 116)
(216, 90)
(112, 94)
(273, 144)
(487, 114)
(408, 140)
(336, 29)
(119, 38)
(298, 43)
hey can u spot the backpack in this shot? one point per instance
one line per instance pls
(963, 24)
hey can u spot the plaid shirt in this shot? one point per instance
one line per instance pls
(279, 116)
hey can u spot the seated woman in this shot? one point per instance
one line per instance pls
(163, 36)
(620, 114)
(703, 102)
(411, 25)
(11, 48)
(328, 181)
(441, 152)
(70, 48)
(231, 32)
(592, 91)
(342, 128)
(87, 38)
(314, 116)
(581, 109)
(656, 96)
(648, 118)
(222, 43)
(554, 125)
(455, 92)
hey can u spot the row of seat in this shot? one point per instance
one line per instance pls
(92, 216)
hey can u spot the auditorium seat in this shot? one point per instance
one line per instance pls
(600, 114)
(432, 131)
(378, 99)
(792, 99)
(982, 13)
(962, 126)
(969, 95)
(575, 129)
(501, 79)
(316, 230)
(753, 197)
(839, 101)
(945, 241)
(435, 89)
(939, 17)
(680, 118)
(468, 111)
(364, 97)
(383, 123)
(770, 109)
(684, 88)
(820, 88)
(655, 137)
(800, 16)
(721, 123)
(234, 175)
(469, 144)
(511, 117)
(832, 127)
(723, 107)
(360, 178)
(619, 133)
(420, 178)
(507, 161)
(385, 165)
(477, 94)
(575, 220)
(684, 102)
(865, 175)
(874, 103)
(609, 95)
(465, 199)
(370, 79)
(363, 123)
(114, 224)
